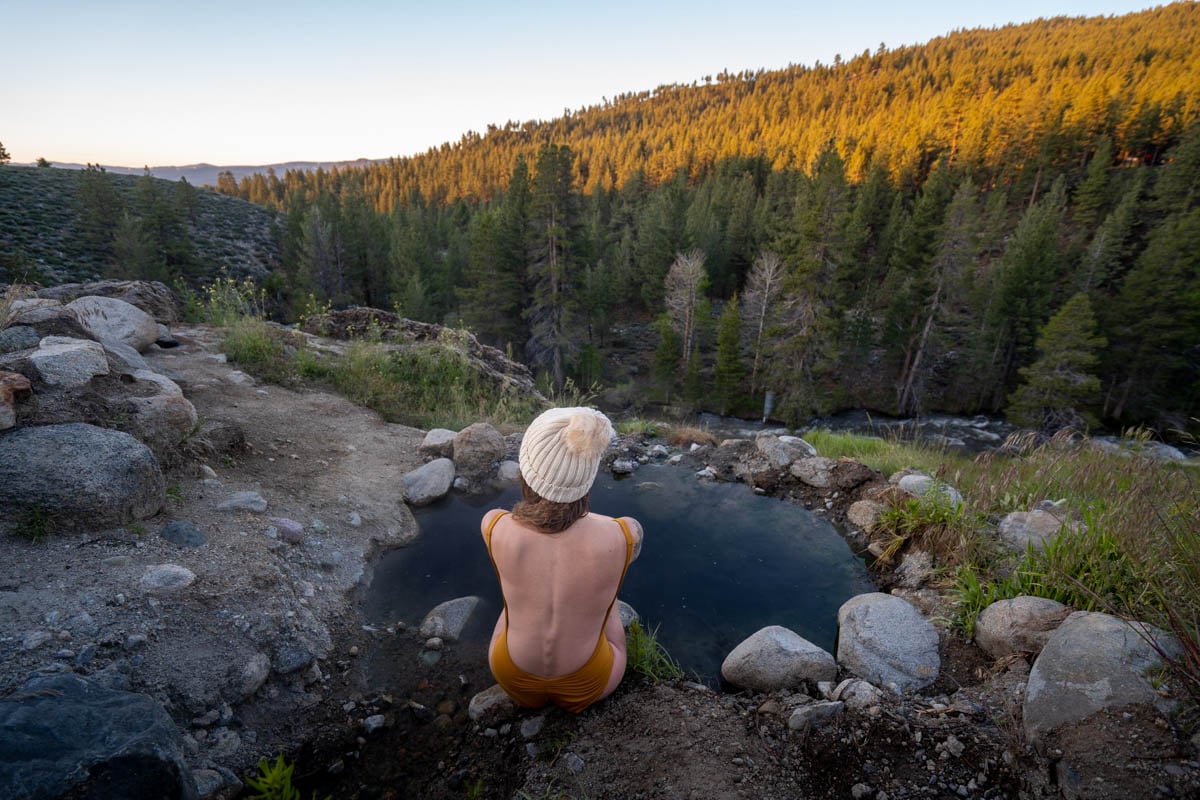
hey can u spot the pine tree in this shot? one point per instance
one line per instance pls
(666, 356)
(4, 156)
(554, 217)
(729, 370)
(1060, 388)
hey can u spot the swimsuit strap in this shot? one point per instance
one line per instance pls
(628, 558)
(487, 537)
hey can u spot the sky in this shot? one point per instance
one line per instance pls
(170, 83)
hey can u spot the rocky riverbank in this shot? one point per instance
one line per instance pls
(205, 617)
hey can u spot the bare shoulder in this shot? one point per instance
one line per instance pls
(489, 519)
(635, 530)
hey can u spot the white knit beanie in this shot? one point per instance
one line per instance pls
(561, 452)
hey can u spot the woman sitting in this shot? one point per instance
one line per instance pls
(558, 639)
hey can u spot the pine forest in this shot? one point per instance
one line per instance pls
(997, 221)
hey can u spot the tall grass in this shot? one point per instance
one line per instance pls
(646, 655)
(886, 455)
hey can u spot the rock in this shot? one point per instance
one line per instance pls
(184, 534)
(254, 674)
(477, 448)
(886, 640)
(438, 443)
(922, 485)
(208, 782)
(777, 658)
(108, 319)
(915, 569)
(161, 416)
(532, 726)
(1020, 625)
(491, 706)
(1091, 662)
(857, 694)
(80, 474)
(815, 715)
(1022, 529)
(289, 530)
(18, 337)
(865, 514)
(627, 612)
(153, 297)
(508, 472)
(374, 722)
(123, 359)
(63, 731)
(623, 466)
(70, 363)
(46, 318)
(815, 471)
(448, 619)
(223, 744)
(781, 451)
(13, 386)
(244, 501)
(164, 579)
(429, 482)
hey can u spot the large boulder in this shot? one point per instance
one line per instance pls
(65, 731)
(1020, 625)
(428, 482)
(865, 514)
(112, 320)
(18, 337)
(885, 640)
(44, 318)
(1022, 529)
(776, 658)
(153, 297)
(922, 485)
(781, 451)
(70, 363)
(438, 443)
(476, 449)
(161, 416)
(447, 620)
(78, 473)
(815, 471)
(1092, 662)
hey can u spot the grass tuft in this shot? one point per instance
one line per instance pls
(647, 656)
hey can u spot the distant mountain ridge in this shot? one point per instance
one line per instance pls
(206, 174)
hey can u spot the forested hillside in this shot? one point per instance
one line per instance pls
(1000, 220)
(61, 225)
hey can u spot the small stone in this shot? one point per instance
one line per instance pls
(35, 639)
(206, 719)
(574, 762)
(319, 527)
(354, 650)
(954, 746)
(623, 466)
(208, 782)
(860, 790)
(374, 722)
(208, 472)
(355, 519)
(135, 640)
(532, 726)
(506, 729)
(244, 501)
(184, 534)
(350, 706)
(433, 643)
(167, 579)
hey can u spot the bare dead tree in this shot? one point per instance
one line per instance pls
(683, 292)
(760, 298)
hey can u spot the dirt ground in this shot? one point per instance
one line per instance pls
(375, 719)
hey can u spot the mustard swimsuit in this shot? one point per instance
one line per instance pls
(574, 691)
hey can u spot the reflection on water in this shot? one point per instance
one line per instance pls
(718, 563)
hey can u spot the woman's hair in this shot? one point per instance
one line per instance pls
(545, 515)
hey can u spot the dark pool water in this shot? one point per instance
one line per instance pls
(718, 563)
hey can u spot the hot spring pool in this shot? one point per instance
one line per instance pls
(718, 563)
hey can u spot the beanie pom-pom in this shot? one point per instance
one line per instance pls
(587, 434)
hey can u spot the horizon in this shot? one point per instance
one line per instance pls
(135, 85)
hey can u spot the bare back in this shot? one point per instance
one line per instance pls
(558, 587)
